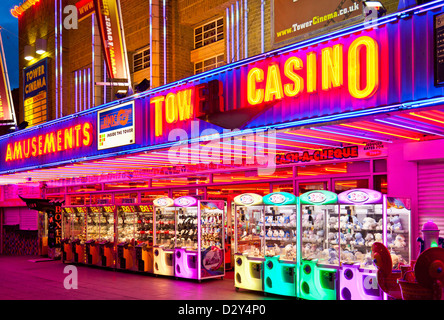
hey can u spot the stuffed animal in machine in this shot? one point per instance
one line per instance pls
(359, 240)
(378, 237)
(293, 220)
(369, 239)
(357, 225)
(395, 223)
(319, 236)
(369, 223)
(319, 221)
(389, 240)
(399, 241)
(348, 237)
(276, 233)
(333, 257)
(333, 222)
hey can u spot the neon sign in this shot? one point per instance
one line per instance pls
(73, 137)
(18, 10)
(286, 82)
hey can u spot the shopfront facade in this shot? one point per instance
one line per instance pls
(353, 108)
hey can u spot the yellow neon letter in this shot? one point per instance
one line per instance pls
(255, 96)
(332, 67)
(184, 104)
(158, 121)
(311, 72)
(291, 90)
(171, 113)
(273, 87)
(371, 65)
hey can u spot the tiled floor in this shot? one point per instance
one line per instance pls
(22, 279)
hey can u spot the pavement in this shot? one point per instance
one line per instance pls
(31, 278)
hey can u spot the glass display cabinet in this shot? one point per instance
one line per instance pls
(164, 240)
(106, 240)
(361, 223)
(126, 237)
(186, 258)
(249, 240)
(144, 237)
(398, 230)
(93, 215)
(319, 225)
(78, 237)
(211, 237)
(280, 241)
(67, 234)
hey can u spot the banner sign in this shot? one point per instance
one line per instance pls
(116, 126)
(296, 18)
(35, 92)
(85, 8)
(6, 104)
(110, 24)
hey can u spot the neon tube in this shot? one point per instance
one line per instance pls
(350, 135)
(329, 139)
(378, 131)
(409, 128)
(425, 117)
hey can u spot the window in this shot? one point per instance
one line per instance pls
(141, 60)
(209, 64)
(209, 33)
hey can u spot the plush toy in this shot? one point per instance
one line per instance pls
(379, 225)
(270, 219)
(359, 240)
(369, 223)
(348, 237)
(333, 222)
(269, 233)
(378, 237)
(281, 219)
(319, 221)
(395, 223)
(281, 233)
(319, 236)
(347, 256)
(275, 233)
(369, 239)
(389, 240)
(344, 222)
(368, 261)
(357, 225)
(340, 239)
(333, 257)
(399, 241)
(331, 237)
(293, 220)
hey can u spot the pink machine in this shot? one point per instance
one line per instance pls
(199, 252)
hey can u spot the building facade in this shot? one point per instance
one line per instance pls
(347, 120)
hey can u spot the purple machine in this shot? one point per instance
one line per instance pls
(199, 247)
(361, 223)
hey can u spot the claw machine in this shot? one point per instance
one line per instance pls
(362, 215)
(79, 234)
(211, 239)
(93, 215)
(67, 234)
(319, 225)
(249, 242)
(126, 237)
(144, 238)
(186, 251)
(106, 240)
(398, 230)
(280, 266)
(164, 240)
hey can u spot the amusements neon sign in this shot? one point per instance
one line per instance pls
(73, 137)
(268, 86)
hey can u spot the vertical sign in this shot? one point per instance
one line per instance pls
(35, 92)
(439, 49)
(110, 26)
(7, 115)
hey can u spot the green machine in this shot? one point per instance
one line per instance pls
(280, 240)
(319, 243)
